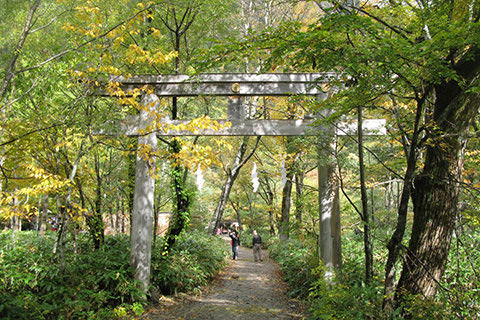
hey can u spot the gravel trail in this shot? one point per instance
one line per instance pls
(245, 289)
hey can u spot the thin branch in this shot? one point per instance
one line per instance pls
(250, 154)
(9, 71)
(398, 31)
(340, 178)
(49, 23)
(28, 133)
(351, 137)
(103, 35)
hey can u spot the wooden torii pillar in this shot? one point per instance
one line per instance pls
(236, 87)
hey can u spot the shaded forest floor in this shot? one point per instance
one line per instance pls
(245, 289)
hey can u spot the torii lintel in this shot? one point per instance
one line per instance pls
(236, 86)
(228, 84)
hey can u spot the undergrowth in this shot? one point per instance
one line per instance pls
(347, 296)
(94, 284)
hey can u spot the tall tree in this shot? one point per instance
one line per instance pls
(437, 187)
(284, 223)
(266, 192)
(365, 213)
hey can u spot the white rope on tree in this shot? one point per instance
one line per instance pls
(283, 173)
(200, 179)
(254, 175)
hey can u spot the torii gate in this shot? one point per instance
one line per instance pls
(236, 87)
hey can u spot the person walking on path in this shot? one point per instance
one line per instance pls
(257, 246)
(235, 242)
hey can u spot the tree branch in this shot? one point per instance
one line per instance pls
(103, 35)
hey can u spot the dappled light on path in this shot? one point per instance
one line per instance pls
(244, 290)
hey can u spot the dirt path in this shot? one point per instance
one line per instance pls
(244, 290)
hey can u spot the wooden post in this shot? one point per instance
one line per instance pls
(236, 109)
(142, 217)
(328, 201)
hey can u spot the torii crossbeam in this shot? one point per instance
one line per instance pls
(237, 86)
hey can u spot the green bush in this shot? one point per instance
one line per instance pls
(194, 259)
(349, 298)
(296, 263)
(461, 281)
(419, 308)
(94, 284)
(345, 299)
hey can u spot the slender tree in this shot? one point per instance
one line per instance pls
(231, 175)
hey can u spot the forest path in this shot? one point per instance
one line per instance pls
(245, 289)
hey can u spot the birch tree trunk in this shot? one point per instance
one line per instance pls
(42, 219)
(284, 225)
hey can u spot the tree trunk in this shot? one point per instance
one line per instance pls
(240, 224)
(269, 198)
(155, 227)
(436, 200)
(42, 219)
(17, 223)
(94, 220)
(222, 202)
(123, 219)
(271, 220)
(117, 216)
(251, 202)
(434, 220)
(284, 225)
(59, 245)
(131, 162)
(395, 242)
(112, 219)
(365, 214)
(290, 169)
(10, 69)
(437, 187)
(181, 215)
(299, 201)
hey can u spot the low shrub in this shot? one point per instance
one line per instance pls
(344, 299)
(296, 263)
(94, 284)
(91, 283)
(194, 259)
(349, 298)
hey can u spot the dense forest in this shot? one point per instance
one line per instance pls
(375, 224)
